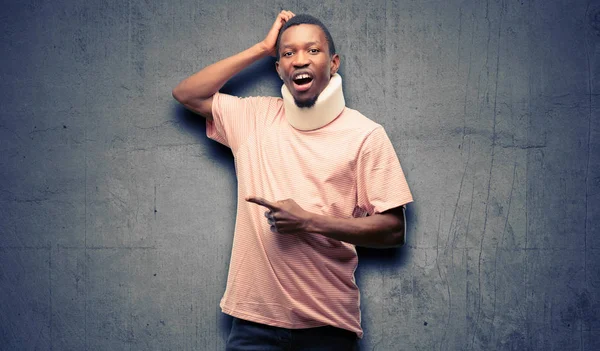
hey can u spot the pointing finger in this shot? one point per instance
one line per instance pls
(260, 201)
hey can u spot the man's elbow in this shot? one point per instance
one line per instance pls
(396, 231)
(201, 106)
(402, 240)
(391, 239)
(398, 239)
(179, 95)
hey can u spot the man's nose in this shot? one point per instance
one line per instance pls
(301, 59)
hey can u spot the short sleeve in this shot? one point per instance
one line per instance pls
(236, 118)
(381, 184)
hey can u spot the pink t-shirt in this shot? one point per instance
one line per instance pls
(345, 169)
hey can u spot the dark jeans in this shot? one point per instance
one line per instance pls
(246, 336)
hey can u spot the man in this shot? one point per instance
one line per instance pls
(317, 168)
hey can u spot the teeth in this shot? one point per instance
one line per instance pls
(302, 76)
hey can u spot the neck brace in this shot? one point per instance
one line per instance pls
(328, 106)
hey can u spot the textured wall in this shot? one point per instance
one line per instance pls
(117, 213)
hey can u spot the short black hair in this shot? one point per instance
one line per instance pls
(305, 19)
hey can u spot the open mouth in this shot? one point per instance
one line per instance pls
(302, 81)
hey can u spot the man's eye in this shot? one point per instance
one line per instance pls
(289, 53)
(313, 51)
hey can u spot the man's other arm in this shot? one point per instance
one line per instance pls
(381, 230)
(196, 92)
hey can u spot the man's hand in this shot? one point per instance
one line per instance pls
(270, 41)
(285, 216)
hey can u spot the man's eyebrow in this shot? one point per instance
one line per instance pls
(305, 44)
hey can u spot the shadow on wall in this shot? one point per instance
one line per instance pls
(260, 74)
(194, 124)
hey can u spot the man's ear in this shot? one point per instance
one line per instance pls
(335, 64)
(277, 69)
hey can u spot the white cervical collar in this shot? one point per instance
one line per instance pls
(328, 106)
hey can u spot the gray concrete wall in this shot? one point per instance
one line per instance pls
(117, 213)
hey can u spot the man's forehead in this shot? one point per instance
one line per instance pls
(303, 32)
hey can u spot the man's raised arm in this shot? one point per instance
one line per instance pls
(196, 92)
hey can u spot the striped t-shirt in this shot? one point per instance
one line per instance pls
(347, 168)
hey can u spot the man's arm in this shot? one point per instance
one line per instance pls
(381, 230)
(196, 92)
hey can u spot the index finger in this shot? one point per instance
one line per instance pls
(260, 201)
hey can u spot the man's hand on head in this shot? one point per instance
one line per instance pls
(285, 216)
(270, 40)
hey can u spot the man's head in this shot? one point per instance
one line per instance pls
(306, 58)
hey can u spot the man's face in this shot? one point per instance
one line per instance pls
(304, 62)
